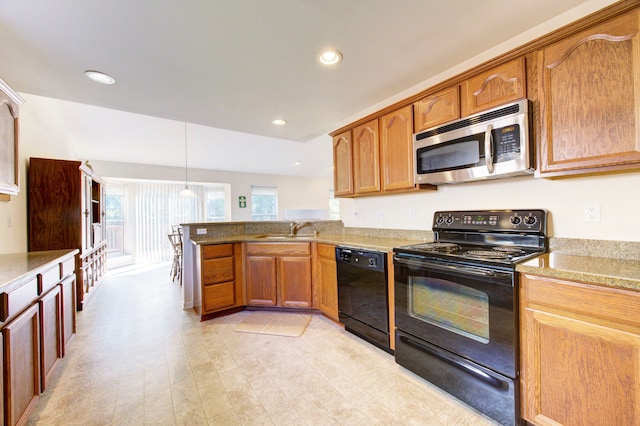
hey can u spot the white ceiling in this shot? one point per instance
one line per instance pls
(238, 64)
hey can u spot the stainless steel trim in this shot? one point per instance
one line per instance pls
(488, 148)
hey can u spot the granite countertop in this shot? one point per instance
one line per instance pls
(16, 267)
(596, 270)
(347, 240)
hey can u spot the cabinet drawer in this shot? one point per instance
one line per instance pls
(17, 300)
(218, 296)
(67, 267)
(326, 250)
(217, 270)
(279, 249)
(48, 279)
(217, 250)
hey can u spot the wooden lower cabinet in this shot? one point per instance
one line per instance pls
(68, 290)
(327, 280)
(50, 332)
(21, 365)
(37, 321)
(279, 274)
(220, 284)
(580, 353)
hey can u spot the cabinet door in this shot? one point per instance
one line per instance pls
(22, 365)
(436, 109)
(396, 149)
(295, 281)
(68, 287)
(342, 165)
(327, 280)
(261, 280)
(492, 88)
(217, 270)
(50, 332)
(366, 158)
(589, 100)
(580, 349)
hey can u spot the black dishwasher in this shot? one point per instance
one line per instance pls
(363, 301)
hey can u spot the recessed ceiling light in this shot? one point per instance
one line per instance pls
(330, 57)
(100, 77)
(279, 122)
(296, 163)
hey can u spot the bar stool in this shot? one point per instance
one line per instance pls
(176, 268)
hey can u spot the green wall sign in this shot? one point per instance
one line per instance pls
(242, 201)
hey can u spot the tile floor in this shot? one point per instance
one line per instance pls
(138, 359)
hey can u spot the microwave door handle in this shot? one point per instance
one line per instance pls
(488, 148)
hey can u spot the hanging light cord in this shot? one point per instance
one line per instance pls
(186, 169)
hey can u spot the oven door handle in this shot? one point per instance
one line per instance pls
(482, 272)
(468, 368)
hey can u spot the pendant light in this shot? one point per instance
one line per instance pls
(186, 192)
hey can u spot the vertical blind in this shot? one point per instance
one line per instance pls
(158, 208)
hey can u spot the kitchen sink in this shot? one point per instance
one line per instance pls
(284, 237)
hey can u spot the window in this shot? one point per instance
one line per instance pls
(115, 206)
(215, 208)
(264, 203)
(334, 206)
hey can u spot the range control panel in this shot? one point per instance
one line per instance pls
(534, 221)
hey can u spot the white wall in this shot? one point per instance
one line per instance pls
(618, 196)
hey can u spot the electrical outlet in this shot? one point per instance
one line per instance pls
(201, 231)
(591, 213)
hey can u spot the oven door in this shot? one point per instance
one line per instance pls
(468, 310)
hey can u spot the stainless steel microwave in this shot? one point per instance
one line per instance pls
(488, 145)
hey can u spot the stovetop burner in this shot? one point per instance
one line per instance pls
(438, 246)
(487, 254)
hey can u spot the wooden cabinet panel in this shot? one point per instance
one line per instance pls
(589, 100)
(580, 347)
(343, 165)
(396, 149)
(50, 332)
(366, 158)
(218, 296)
(261, 280)
(68, 290)
(327, 274)
(22, 365)
(499, 85)
(217, 270)
(9, 137)
(294, 281)
(436, 109)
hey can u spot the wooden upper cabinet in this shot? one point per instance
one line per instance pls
(494, 87)
(396, 149)
(589, 100)
(436, 109)
(342, 164)
(366, 158)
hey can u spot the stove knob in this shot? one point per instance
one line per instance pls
(449, 220)
(515, 220)
(439, 220)
(530, 220)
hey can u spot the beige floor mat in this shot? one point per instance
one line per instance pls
(275, 323)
